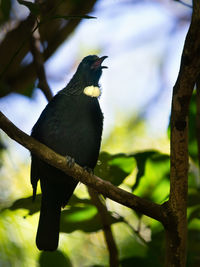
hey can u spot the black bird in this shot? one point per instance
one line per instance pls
(71, 124)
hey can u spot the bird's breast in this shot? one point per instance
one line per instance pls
(75, 129)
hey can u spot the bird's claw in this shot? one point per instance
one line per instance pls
(89, 170)
(70, 161)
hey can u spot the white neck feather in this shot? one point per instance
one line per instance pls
(92, 91)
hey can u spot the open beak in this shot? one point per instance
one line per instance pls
(97, 64)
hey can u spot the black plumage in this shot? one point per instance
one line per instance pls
(71, 124)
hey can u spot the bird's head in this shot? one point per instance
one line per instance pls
(90, 70)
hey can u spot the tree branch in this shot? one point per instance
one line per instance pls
(39, 65)
(176, 231)
(103, 214)
(183, 3)
(119, 195)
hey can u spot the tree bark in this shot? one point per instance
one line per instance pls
(176, 231)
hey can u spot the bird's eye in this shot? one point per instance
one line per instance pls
(92, 60)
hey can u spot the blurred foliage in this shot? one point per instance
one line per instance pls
(114, 168)
(140, 240)
(143, 170)
(150, 169)
(52, 259)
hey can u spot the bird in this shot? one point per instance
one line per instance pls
(71, 124)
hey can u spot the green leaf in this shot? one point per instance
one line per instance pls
(29, 90)
(195, 213)
(27, 203)
(54, 258)
(141, 159)
(74, 200)
(154, 184)
(149, 261)
(78, 214)
(193, 198)
(85, 218)
(114, 168)
(33, 7)
(34, 206)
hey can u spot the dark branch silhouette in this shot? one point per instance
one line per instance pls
(105, 220)
(119, 195)
(39, 65)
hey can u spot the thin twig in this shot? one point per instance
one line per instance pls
(183, 3)
(30, 22)
(105, 219)
(39, 65)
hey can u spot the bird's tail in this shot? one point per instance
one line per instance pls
(49, 224)
(54, 196)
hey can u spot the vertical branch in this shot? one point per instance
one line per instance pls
(198, 117)
(103, 213)
(39, 65)
(176, 234)
(176, 230)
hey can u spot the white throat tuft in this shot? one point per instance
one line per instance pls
(92, 91)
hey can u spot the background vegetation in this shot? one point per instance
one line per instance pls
(132, 157)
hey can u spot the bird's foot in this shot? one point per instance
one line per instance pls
(70, 161)
(89, 170)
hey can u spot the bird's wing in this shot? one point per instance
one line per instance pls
(70, 126)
